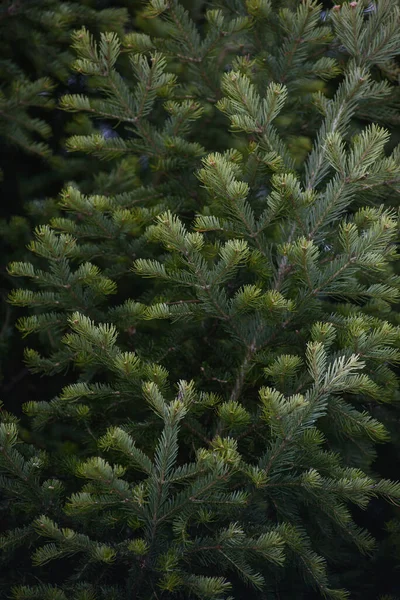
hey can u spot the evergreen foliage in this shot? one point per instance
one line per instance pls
(222, 322)
(35, 59)
(35, 55)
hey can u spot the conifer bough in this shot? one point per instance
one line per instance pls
(222, 303)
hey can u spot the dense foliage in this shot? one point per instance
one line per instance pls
(216, 305)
